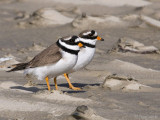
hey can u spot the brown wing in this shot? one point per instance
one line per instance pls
(48, 56)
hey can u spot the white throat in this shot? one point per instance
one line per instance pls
(85, 56)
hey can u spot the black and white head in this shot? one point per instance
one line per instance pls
(70, 44)
(89, 38)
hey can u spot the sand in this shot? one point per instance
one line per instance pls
(110, 3)
(121, 83)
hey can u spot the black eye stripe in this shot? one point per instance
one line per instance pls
(91, 35)
(70, 41)
(74, 37)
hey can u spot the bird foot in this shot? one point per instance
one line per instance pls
(74, 88)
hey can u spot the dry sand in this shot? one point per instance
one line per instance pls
(121, 83)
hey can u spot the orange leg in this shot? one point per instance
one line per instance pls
(55, 82)
(47, 81)
(70, 84)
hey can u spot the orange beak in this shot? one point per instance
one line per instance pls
(80, 44)
(99, 38)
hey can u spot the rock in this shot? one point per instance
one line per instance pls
(118, 82)
(129, 45)
(84, 113)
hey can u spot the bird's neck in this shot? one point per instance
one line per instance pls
(67, 48)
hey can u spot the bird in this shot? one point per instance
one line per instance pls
(55, 60)
(86, 54)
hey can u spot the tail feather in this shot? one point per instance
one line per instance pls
(20, 66)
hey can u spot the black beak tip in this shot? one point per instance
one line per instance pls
(102, 39)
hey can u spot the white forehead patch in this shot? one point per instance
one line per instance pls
(87, 33)
(68, 38)
(95, 34)
(77, 39)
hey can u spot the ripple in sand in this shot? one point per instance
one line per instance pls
(92, 21)
(46, 17)
(59, 96)
(150, 21)
(110, 3)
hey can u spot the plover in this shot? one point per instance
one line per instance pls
(89, 39)
(55, 60)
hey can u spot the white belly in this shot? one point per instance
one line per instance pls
(85, 56)
(62, 66)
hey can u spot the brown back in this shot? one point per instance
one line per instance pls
(48, 56)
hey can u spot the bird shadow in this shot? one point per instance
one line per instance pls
(80, 85)
(30, 89)
(76, 91)
(35, 89)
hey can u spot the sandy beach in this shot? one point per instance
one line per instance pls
(121, 83)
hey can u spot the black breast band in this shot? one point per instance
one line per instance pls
(75, 52)
(88, 45)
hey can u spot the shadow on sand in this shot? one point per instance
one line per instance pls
(80, 85)
(30, 89)
(35, 89)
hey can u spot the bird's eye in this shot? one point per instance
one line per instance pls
(72, 40)
(90, 34)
